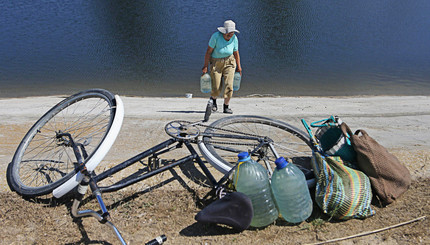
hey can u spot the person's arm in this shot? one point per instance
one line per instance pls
(207, 58)
(237, 57)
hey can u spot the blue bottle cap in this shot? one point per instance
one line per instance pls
(281, 163)
(243, 156)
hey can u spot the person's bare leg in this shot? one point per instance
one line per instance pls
(227, 101)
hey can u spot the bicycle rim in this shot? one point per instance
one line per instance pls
(221, 152)
(44, 161)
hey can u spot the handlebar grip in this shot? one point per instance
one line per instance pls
(158, 240)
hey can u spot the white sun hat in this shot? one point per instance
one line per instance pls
(229, 26)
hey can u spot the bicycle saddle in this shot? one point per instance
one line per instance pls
(234, 209)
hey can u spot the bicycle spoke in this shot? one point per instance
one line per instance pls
(221, 151)
(45, 158)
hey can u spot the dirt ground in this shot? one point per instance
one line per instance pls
(167, 203)
(169, 209)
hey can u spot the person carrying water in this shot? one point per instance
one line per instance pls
(223, 55)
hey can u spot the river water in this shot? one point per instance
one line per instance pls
(156, 48)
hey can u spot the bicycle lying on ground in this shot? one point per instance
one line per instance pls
(63, 148)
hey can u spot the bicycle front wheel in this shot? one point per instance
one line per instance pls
(220, 147)
(44, 159)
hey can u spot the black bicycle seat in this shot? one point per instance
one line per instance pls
(234, 209)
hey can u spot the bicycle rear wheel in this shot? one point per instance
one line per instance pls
(221, 152)
(43, 160)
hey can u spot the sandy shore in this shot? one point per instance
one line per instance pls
(146, 210)
(401, 123)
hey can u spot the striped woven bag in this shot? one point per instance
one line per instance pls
(341, 192)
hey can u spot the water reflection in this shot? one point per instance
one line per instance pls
(157, 47)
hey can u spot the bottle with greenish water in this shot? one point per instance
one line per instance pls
(252, 179)
(291, 192)
(205, 83)
(236, 81)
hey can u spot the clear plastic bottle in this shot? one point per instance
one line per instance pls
(236, 81)
(252, 179)
(205, 83)
(291, 192)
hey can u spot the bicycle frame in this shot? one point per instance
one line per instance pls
(163, 148)
(91, 180)
(155, 152)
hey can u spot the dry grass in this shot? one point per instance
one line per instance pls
(167, 204)
(141, 213)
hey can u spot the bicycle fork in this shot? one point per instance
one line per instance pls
(82, 189)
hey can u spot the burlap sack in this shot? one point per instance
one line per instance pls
(389, 178)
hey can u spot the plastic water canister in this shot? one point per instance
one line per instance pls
(205, 83)
(252, 179)
(236, 81)
(291, 192)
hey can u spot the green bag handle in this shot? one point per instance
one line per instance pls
(331, 121)
(312, 136)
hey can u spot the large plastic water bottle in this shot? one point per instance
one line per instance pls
(252, 179)
(205, 83)
(291, 192)
(236, 81)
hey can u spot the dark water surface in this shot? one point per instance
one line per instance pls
(156, 48)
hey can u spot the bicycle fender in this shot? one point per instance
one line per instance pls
(99, 155)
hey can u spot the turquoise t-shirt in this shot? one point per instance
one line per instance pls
(223, 48)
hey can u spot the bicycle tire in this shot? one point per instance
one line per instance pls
(289, 141)
(42, 161)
